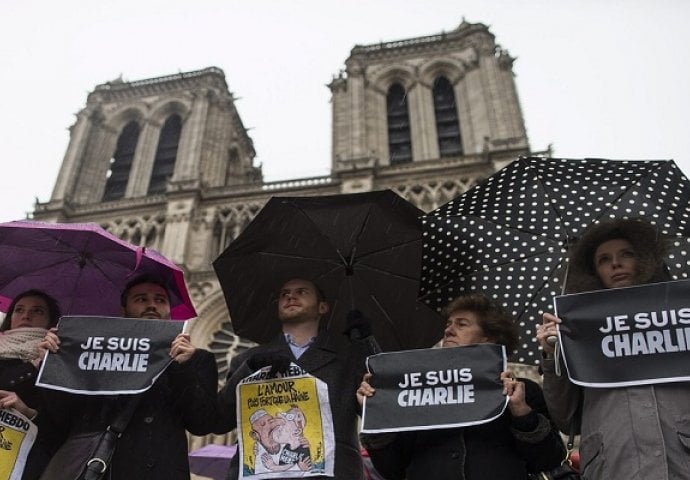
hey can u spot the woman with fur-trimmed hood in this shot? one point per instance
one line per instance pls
(648, 246)
(640, 432)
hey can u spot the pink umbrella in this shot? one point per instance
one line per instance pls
(83, 266)
(212, 460)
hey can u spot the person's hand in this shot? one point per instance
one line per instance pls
(12, 400)
(268, 462)
(515, 390)
(51, 342)
(357, 325)
(304, 464)
(365, 389)
(181, 348)
(279, 363)
(546, 330)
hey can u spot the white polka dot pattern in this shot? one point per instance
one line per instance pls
(508, 236)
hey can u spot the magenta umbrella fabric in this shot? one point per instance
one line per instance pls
(81, 265)
(212, 461)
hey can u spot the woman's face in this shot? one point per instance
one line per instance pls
(463, 328)
(30, 312)
(615, 263)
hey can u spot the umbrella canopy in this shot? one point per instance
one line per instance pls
(363, 250)
(83, 266)
(509, 236)
(212, 460)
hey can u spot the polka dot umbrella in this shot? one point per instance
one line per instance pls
(508, 237)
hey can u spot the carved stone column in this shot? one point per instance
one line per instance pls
(191, 141)
(79, 133)
(144, 157)
(177, 224)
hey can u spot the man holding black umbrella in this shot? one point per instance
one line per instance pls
(336, 359)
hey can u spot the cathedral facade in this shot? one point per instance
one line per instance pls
(166, 162)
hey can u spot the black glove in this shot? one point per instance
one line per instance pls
(357, 326)
(279, 363)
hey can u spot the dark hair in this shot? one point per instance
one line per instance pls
(495, 322)
(645, 240)
(144, 278)
(53, 308)
(320, 295)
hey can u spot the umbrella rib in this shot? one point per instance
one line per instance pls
(319, 230)
(296, 257)
(535, 293)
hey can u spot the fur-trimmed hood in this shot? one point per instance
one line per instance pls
(646, 241)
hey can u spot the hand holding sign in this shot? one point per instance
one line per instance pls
(365, 389)
(515, 390)
(182, 348)
(547, 332)
(12, 400)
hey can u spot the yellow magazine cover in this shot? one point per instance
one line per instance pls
(286, 427)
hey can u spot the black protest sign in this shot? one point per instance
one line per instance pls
(108, 356)
(627, 336)
(435, 388)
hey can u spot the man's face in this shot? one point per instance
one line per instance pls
(147, 300)
(263, 429)
(298, 302)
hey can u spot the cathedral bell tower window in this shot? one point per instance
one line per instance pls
(399, 138)
(447, 124)
(120, 164)
(166, 154)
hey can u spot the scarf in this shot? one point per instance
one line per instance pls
(21, 343)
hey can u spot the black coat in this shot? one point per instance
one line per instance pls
(504, 449)
(337, 362)
(154, 445)
(19, 377)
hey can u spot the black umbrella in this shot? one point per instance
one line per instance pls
(508, 236)
(363, 250)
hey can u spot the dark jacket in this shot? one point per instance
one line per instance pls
(504, 449)
(336, 361)
(19, 377)
(154, 445)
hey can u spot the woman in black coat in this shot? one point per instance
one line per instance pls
(521, 441)
(29, 316)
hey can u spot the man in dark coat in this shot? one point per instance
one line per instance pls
(154, 445)
(334, 358)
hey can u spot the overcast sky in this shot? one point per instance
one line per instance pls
(596, 78)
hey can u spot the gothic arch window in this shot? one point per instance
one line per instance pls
(120, 164)
(225, 345)
(399, 138)
(136, 238)
(447, 123)
(164, 163)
